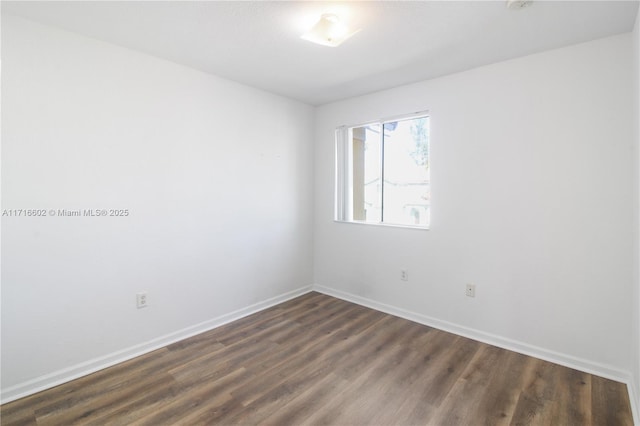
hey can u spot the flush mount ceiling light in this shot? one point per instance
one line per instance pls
(328, 31)
(518, 4)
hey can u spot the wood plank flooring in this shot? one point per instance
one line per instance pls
(317, 360)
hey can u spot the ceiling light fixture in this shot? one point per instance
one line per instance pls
(328, 31)
(518, 4)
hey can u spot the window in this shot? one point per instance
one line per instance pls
(382, 172)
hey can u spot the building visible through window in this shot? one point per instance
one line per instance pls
(383, 172)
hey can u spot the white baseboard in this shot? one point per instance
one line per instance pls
(576, 363)
(67, 374)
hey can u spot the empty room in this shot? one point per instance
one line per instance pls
(301, 212)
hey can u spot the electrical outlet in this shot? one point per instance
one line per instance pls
(404, 275)
(141, 300)
(471, 290)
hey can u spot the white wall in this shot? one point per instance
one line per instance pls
(218, 179)
(635, 337)
(532, 196)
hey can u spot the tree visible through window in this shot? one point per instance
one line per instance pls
(383, 173)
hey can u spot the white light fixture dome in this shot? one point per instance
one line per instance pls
(518, 4)
(328, 31)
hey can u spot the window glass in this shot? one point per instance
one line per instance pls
(383, 173)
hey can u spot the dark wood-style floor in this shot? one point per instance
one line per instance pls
(320, 360)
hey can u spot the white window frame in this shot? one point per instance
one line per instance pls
(343, 201)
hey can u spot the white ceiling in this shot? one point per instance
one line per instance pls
(258, 42)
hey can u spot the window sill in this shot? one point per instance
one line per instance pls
(383, 225)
